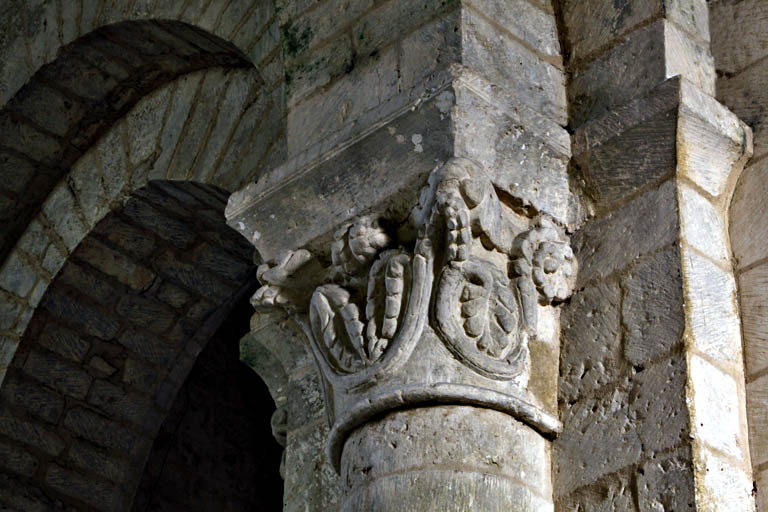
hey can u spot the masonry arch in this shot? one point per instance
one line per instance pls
(134, 134)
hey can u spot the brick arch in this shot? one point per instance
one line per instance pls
(71, 101)
(111, 343)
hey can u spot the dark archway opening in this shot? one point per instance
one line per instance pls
(215, 450)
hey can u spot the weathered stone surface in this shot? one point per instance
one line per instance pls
(722, 486)
(52, 371)
(64, 342)
(82, 315)
(612, 493)
(748, 217)
(591, 354)
(34, 399)
(17, 460)
(711, 308)
(757, 412)
(652, 307)
(702, 225)
(30, 432)
(115, 264)
(753, 288)
(309, 476)
(85, 488)
(666, 483)
(737, 33)
(612, 242)
(100, 430)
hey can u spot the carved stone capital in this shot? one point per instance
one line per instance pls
(442, 309)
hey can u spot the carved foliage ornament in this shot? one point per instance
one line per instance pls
(375, 295)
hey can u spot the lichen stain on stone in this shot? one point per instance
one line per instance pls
(295, 40)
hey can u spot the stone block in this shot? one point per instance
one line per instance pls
(30, 432)
(369, 84)
(309, 477)
(711, 311)
(597, 439)
(432, 47)
(628, 158)
(757, 415)
(279, 334)
(131, 240)
(753, 300)
(184, 93)
(513, 146)
(52, 371)
(145, 312)
(85, 181)
(658, 406)
(748, 217)
(243, 85)
(197, 129)
(144, 123)
(16, 460)
(27, 140)
(19, 171)
(595, 24)
(305, 31)
(722, 486)
(173, 295)
(499, 58)
(712, 142)
(83, 316)
(17, 276)
(9, 311)
(100, 430)
(86, 281)
(392, 20)
(54, 259)
(652, 307)
(222, 263)
(533, 25)
(614, 492)
(48, 108)
(591, 354)
(193, 278)
(716, 408)
(148, 347)
(88, 457)
(61, 212)
(738, 34)
(317, 68)
(80, 77)
(128, 407)
(761, 483)
(643, 60)
(140, 376)
(85, 488)
(667, 482)
(702, 224)
(64, 342)
(612, 242)
(165, 226)
(33, 398)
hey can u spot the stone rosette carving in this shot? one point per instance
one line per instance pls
(366, 313)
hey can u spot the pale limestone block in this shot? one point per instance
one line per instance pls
(715, 417)
(304, 32)
(320, 116)
(702, 225)
(757, 417)
(144, 123)
(690, 15)
(309, 478)
(749, 217)
(615, 492)
(753, 299)
(686, 57)
(711, 308)
(114, 162)
(317, 68)
(61, 212)
(712, 142)
(42, 32)
(35, 240)
(720, 486)
(532, 25)
(499, 58)
(738, 30)
(85, 179)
